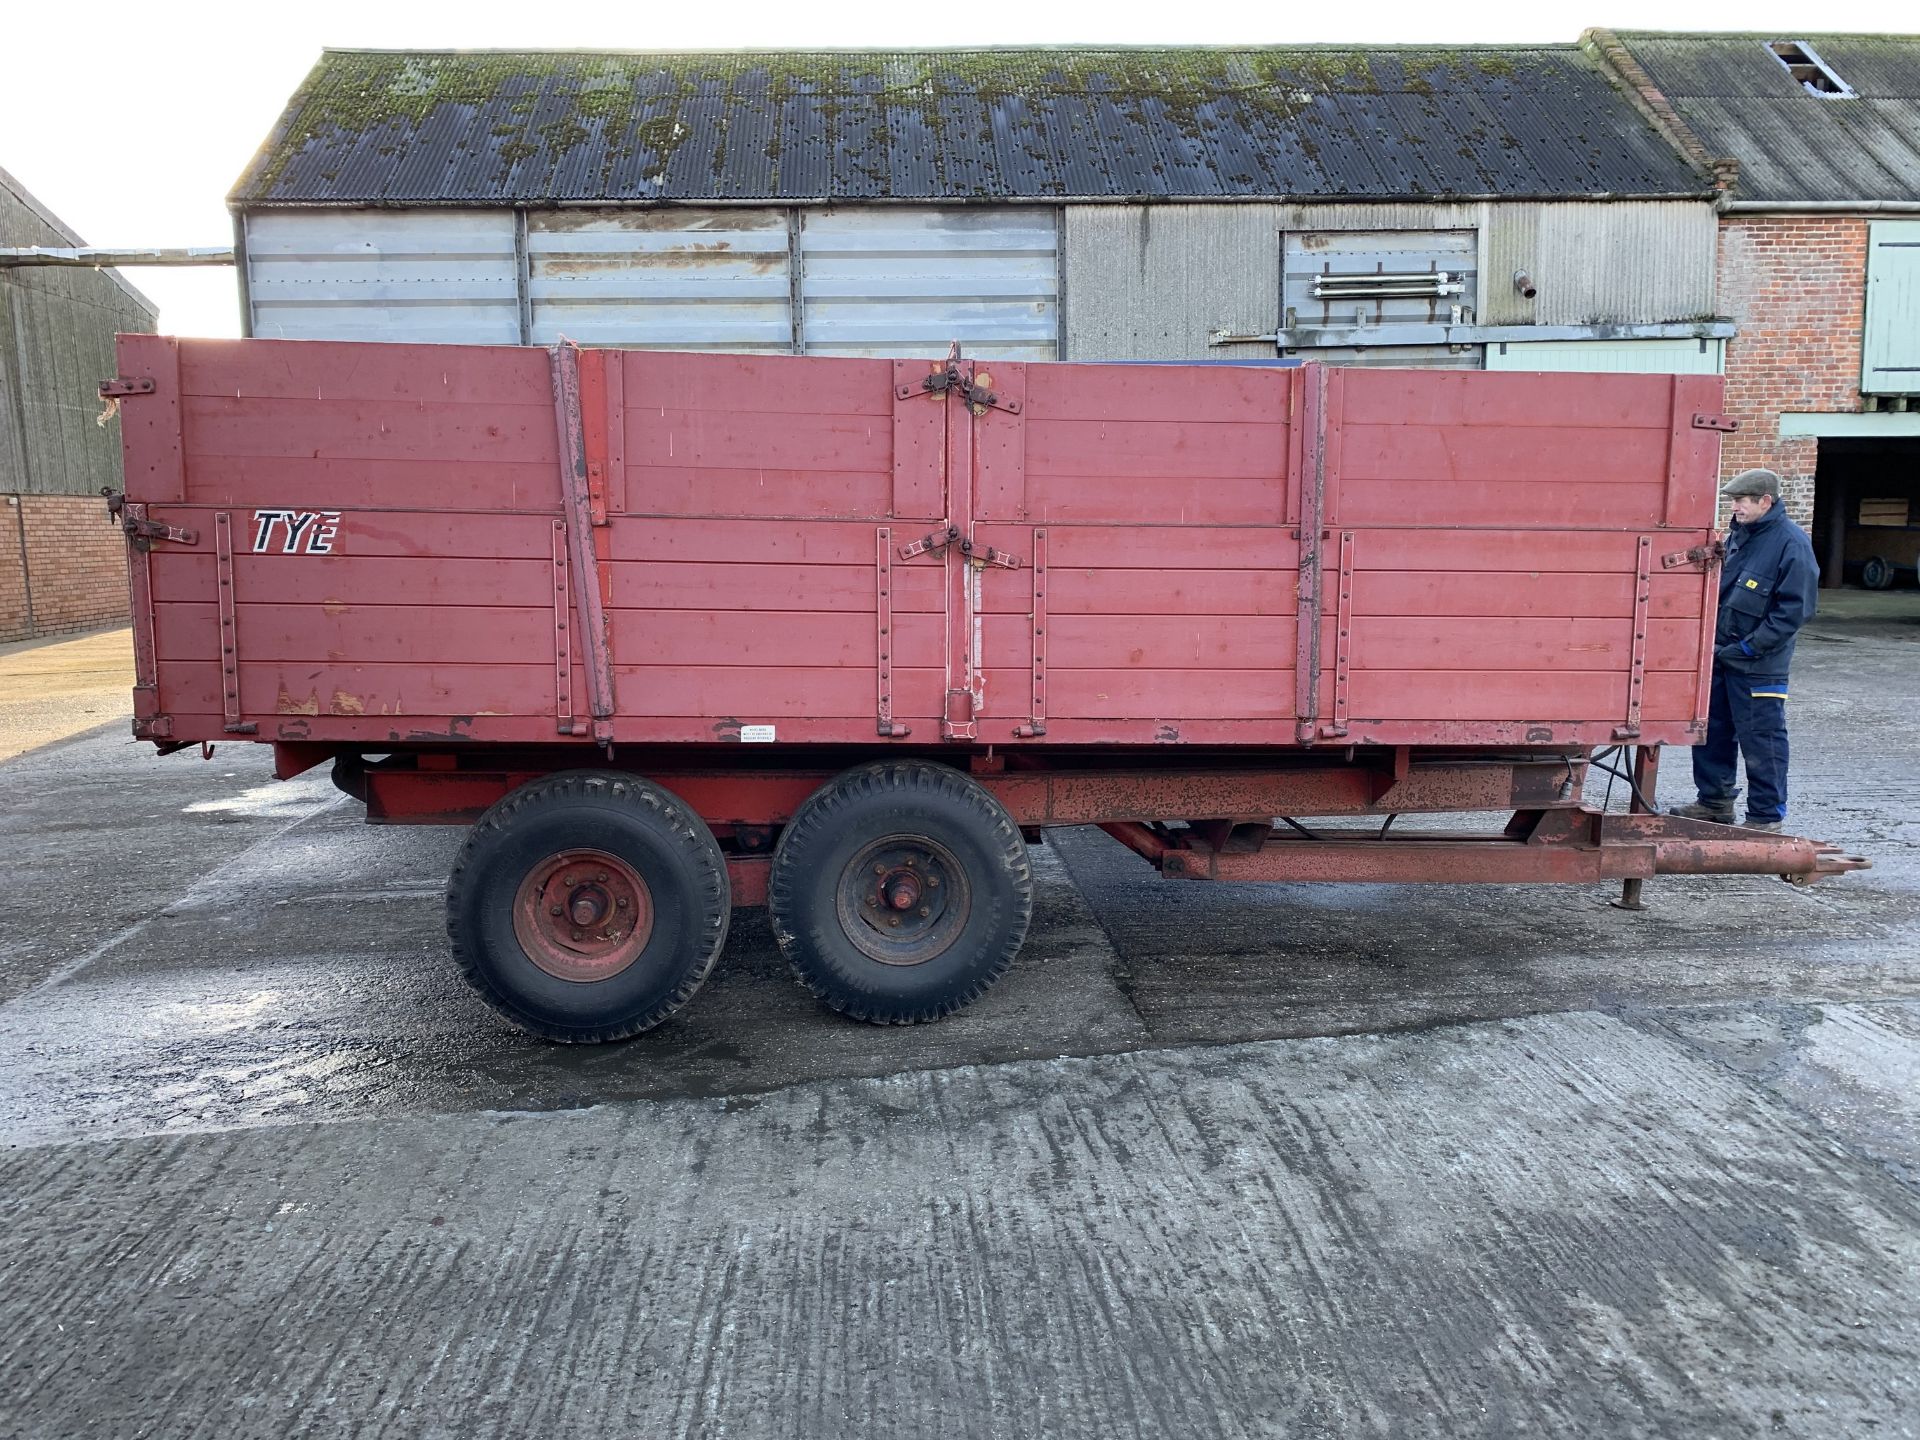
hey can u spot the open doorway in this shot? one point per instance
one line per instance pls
(1866, 514)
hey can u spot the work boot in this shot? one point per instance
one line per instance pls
(1770, 825)
(1701, 810)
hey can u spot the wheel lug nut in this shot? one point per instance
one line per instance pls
(555, 909)
(601, 877)
(873, 900)
(879, 869)
(925, 911)
(621, 902)
(894, 920)
(566, 879)
(933, 880)
(578, 936)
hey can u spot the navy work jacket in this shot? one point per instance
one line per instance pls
(1768, 587)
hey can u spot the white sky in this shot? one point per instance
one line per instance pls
(131, 122)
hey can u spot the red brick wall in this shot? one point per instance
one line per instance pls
(74, 575)
(1796, 286)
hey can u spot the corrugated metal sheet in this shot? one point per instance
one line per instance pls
(1890, 346)
(1612, 357)
(1151, 282)
(426, 276)
(909, 281)
(397, 128)
(56, 345)
(662, 279)
(1616, 264)
(1792, 145)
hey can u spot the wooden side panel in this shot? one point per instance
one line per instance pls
(1169, 589)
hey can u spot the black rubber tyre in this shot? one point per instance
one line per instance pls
(622, 846)
(881, 834)
(1877, 573)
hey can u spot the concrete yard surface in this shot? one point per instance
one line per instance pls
(1213, 1160)
(50, 689)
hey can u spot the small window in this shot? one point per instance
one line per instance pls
(1809, 69)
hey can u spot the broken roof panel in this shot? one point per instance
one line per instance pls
(500, 127)
(1794, 145)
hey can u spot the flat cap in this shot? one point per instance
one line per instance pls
(1753, 482)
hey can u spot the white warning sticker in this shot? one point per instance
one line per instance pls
(756, 734)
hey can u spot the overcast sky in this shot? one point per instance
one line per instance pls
(131, 122)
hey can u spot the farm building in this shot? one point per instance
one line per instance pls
(1819, 266)
(1508, 207)
(62, 560)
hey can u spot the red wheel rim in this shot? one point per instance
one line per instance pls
(583, 915)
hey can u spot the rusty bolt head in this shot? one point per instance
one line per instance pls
(924, 912)
(578, 936)
(555, 909)
(621, 903)
(601, 877)
(933, 880)
(566, 879)
(879, 869)
(894, 920)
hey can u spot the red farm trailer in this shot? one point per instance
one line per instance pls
(679, 632)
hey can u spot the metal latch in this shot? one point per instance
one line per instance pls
(1704, 556)
(1703, 421)
(937, 540)
(941, 381)
(142, 533)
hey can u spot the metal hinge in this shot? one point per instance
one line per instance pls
(120, 388)
(935, 541)
(1703, 421)
(941, 381)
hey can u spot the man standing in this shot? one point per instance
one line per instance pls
(1768, 584)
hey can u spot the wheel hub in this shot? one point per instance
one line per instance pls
(583, 915)
(903, 900)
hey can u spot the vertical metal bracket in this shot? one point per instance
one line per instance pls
(1637, 675)
(1342, 642)
(577, 513)
(563, 636)
(1037, 723)
(884, 636)
(149, 722)
(1313, 480)
(229, 627)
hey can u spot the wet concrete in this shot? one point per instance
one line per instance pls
(1316, 1161)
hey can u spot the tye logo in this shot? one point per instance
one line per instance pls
(308, 532)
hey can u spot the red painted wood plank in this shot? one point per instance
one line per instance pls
(1144, 642)
(1203, 393)
(1427, 547)
(1514, 592)
(1496, 695)
(378, 693)
(374, 634)
(1156, 448)
(750, 696)
(1080, 591)
(368, 430)
(757, 384)
(1168, 498)
(745, 542)
(758, 492)
(706, 439)
(1539, 646)
(1153, 547)
(1483, 398)
(1495, 502)
(304, 482)
(153, 467)
(919, 445)
(362, 580)
(354, 371)
(666, 585)
(765, 640)
(1146, 694)
(1549, 459)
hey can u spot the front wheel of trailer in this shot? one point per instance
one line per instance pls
(588, 906)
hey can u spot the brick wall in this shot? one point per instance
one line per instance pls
(1796, 286)
(63, 565)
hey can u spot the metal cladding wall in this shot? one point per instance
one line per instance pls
(437, 276)
(859, 281)
(1152, 282)
(56, 345)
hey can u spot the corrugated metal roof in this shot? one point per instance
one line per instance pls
(1793, 145)
(498, 127)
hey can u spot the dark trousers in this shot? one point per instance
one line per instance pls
(1747, 718)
